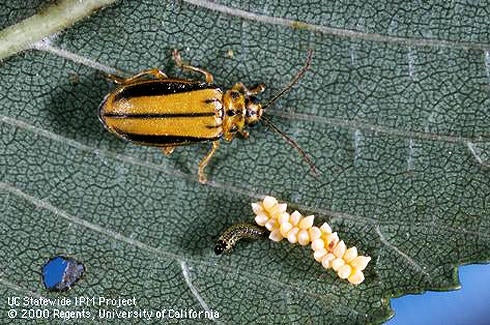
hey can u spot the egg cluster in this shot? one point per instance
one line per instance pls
(328, 248)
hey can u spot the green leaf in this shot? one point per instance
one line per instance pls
(394, 112)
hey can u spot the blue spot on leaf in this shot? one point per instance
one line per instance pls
(60, 273)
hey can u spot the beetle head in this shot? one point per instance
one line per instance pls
(253, 110)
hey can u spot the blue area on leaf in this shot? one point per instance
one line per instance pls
(469, 305)
(60, 273)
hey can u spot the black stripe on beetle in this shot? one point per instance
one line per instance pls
(237, 232)
(160, 88)
(161, 140)
(158, 115)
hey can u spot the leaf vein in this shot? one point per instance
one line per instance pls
(186, 273)
(476, 154)
(410, 260)
(223, 186)
(45, 45)
(375, 37)
(365, 126)
(53, 19)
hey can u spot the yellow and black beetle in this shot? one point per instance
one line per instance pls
(152, 109)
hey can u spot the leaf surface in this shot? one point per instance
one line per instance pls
(394, 112)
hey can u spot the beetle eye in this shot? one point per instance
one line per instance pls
(250, 113)
(235, 94)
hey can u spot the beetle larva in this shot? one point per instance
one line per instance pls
(237, 232)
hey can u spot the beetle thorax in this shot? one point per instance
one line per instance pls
(241, 110)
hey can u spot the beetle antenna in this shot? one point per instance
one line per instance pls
(293, 144)
(293, 81)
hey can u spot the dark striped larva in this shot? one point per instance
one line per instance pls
(236, 232)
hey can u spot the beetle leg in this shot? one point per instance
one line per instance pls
(158, 74)
(257, 89)
(254, 91)
(204, 162)
(178, 61)
(168, 150)
(244, 133)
